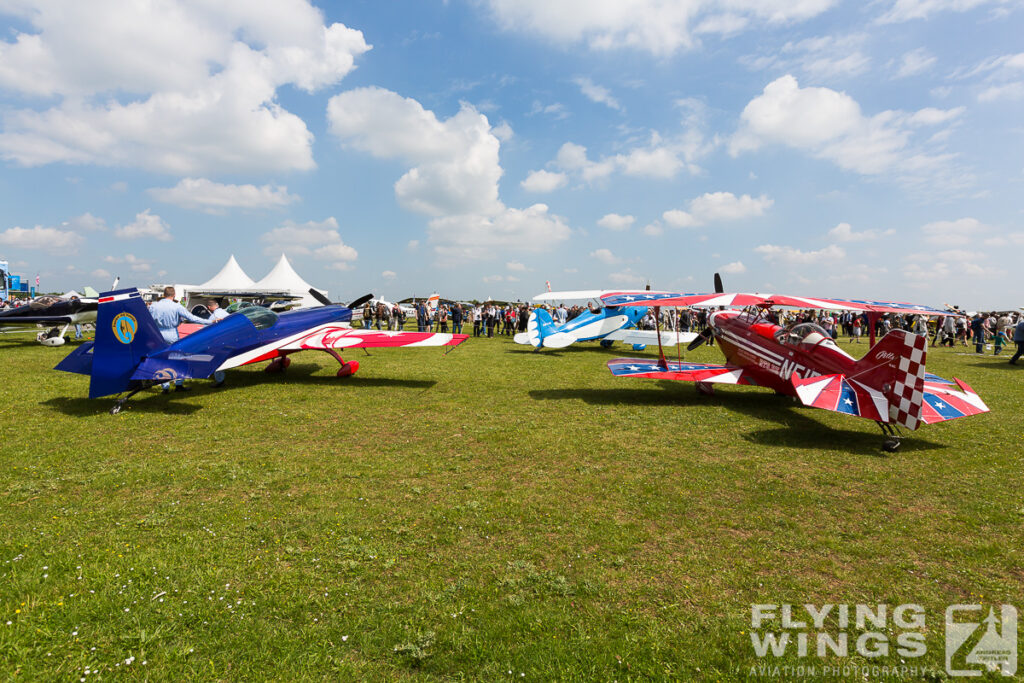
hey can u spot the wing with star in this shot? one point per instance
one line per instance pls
(683, 372)
(942, 402)
(840, 394)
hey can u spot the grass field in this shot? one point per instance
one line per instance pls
(494, 514)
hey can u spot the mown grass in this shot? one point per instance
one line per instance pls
(493, 514)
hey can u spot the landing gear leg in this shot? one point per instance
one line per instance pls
(892, 444)
(121, 401)
(347, 369)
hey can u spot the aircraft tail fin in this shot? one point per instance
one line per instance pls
(895, 367)
(125, 334)
(541, 332)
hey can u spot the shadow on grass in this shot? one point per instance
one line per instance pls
(795, 429)
(592, 348)
(154, 401)
(90, 407)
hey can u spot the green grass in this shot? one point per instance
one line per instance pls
(493, 514)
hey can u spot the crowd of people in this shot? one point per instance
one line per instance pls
(995, 330)
(992, 330)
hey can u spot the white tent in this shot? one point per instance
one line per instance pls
(231, 276)
(284, 278)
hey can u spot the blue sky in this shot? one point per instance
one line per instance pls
(483, 147)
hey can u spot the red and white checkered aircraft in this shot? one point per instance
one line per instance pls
(888, 385)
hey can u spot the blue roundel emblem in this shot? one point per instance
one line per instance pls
(125, 326)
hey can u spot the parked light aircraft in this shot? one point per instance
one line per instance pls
(888, 385)
(603, 323)
(129, 353)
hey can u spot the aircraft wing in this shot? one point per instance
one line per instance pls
(670, 299)
(348, 338)
(35, 319)
(651, 337)
(683, 372)
(579, 294)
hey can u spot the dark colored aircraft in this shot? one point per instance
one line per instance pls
(130, 354)
(55, 312)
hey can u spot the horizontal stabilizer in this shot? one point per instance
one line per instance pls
(942, 402)
(78, 361)
(840, 394)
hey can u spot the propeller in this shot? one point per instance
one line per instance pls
(327, 302)
(708, 331)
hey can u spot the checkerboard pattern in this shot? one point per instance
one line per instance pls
(907, 396)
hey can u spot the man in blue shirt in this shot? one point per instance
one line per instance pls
(168, 314)
(1018, 338)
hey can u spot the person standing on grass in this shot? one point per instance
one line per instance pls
(1018, 339)
(978, 330)
(216, 315)
(168, 314)
(457, 319)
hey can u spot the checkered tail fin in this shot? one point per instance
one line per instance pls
(895, 366)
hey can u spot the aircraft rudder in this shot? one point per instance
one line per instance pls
(125, 333)
(896, 366)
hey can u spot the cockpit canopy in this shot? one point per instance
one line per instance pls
(44, 302)
(802, 333)
(261, 318)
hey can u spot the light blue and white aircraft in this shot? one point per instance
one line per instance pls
(607, 324)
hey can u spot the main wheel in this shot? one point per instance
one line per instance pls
(348, 369)
(891, 445)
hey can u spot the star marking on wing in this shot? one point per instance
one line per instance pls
(940, 405)
(847, 401)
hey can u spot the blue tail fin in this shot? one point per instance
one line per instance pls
(541, 332)
(125, 334)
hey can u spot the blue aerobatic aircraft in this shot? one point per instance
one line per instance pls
(607, 324)
(130, 354)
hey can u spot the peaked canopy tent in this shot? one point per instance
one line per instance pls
(231, 281)
(231, 276)
(284, 278)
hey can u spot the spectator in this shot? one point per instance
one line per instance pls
(168, 314)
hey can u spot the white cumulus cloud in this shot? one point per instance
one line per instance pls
(454, 175)
(826, 256)
(614, 221)
(544, 181)
(146, 224)
(830, 125)
(176, 87)
(597, 93)
(321, 239)
(956, 233)
(213, 197)
(660, 27)
(844, 232)
(716, 207)
(605, 256)
(42, 238)
(733, 268)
